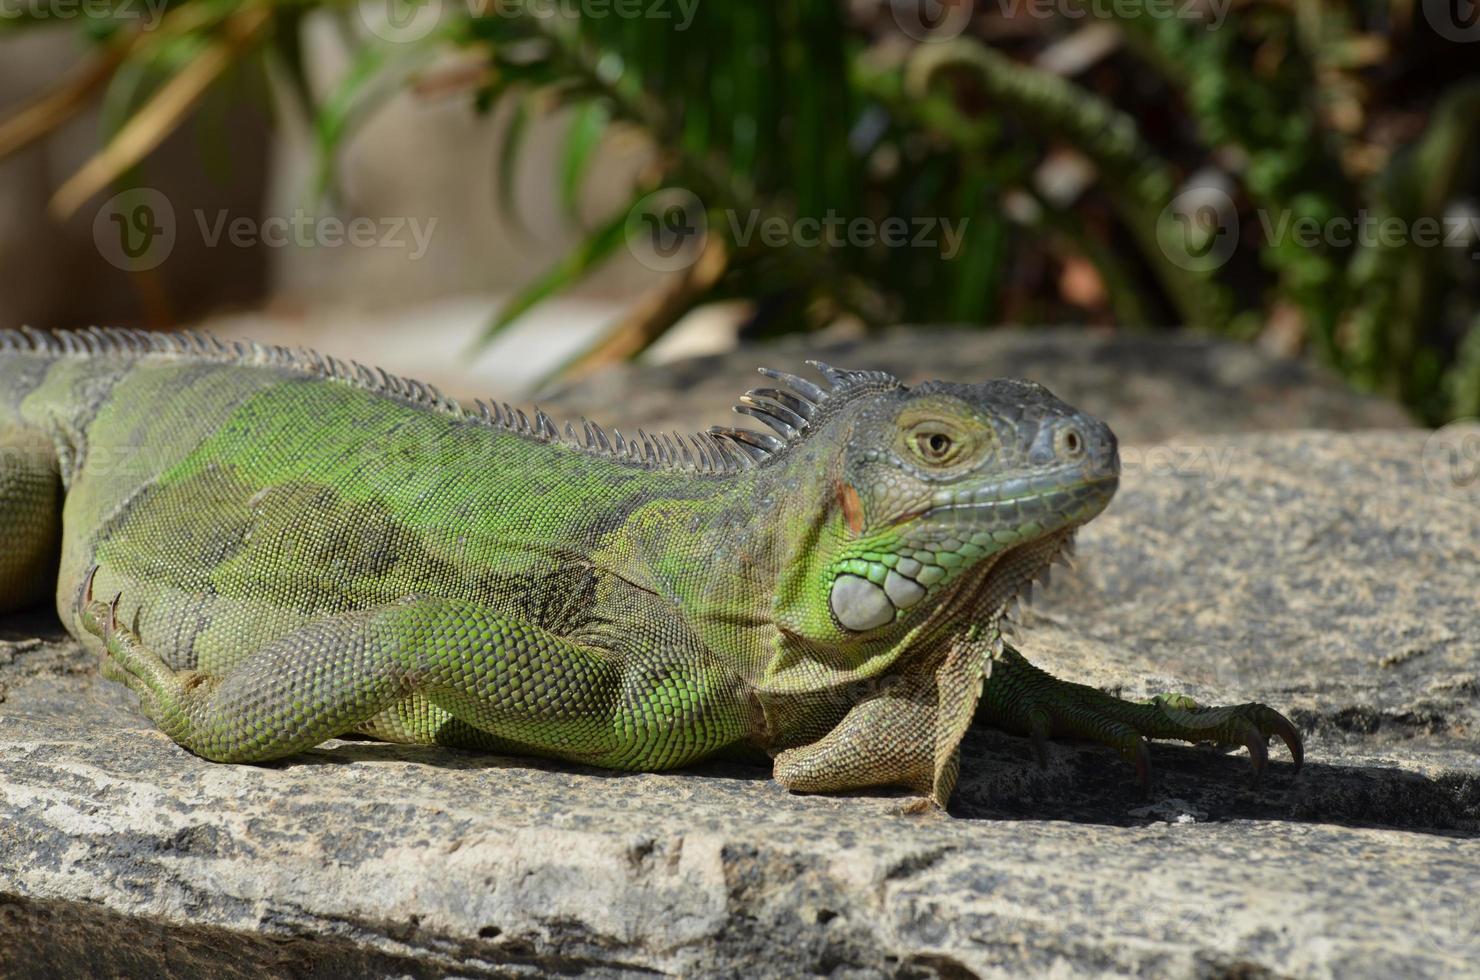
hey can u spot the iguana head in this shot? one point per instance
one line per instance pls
(943, 480)
(940, 497)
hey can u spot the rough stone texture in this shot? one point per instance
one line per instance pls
(1149, 387)
(1320, 572)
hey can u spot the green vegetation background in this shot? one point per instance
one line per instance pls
(1147, 165)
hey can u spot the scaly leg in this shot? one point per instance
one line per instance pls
(887, 740)
(514, 681)
(1028, 701)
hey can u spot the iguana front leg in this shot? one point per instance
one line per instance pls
(510, 679)
(887, 740)
(1025, 700)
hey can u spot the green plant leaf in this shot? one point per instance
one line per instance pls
(337, 112)
(587, 125)
(508, 158)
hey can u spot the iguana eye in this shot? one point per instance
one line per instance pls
(934, 445)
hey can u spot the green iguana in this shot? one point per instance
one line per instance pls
(273, 548)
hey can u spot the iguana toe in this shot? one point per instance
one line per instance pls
(1022, 698)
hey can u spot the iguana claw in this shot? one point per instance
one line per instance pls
(1288, 734)
(1258, 747)
(1020, 697)
(1143, 766)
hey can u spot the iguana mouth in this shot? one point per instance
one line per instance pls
(1050, 489)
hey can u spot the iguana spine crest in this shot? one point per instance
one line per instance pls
(720, 451)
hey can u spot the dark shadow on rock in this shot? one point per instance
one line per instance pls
(1092, 784)
(1083, 783)
(368, 750)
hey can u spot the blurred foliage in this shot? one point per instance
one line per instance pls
(1144, 165)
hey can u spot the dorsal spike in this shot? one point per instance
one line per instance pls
(40, 341)
(840, 378)
(774, 416)
(833, 375)
(799, 407)
(749, 439)
(801, 386)
(724, 460)
(742, 456)
(704, 463)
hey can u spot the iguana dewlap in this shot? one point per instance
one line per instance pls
(274, 548)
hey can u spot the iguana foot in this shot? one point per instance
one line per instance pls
(163, 692)
(1021, 698)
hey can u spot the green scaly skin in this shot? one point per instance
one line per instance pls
(273, 549)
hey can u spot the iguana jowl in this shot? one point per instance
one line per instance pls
(275, 548)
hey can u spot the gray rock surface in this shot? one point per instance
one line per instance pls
(1321, 572)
